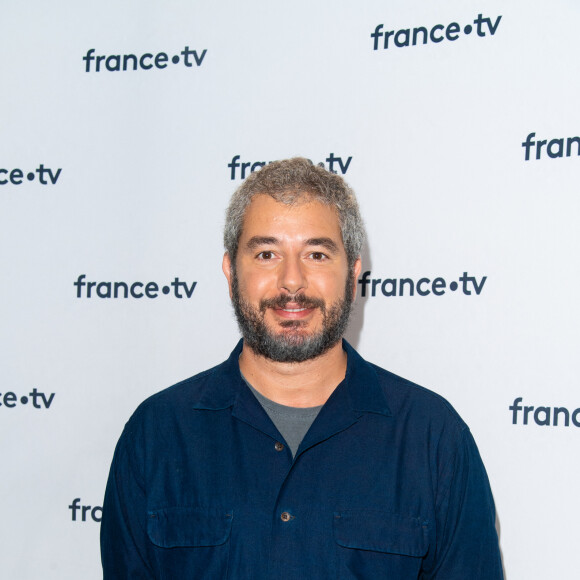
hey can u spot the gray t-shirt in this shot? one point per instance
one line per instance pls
(292, 422)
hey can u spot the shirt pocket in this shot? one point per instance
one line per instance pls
(190, 542)
(379, 544)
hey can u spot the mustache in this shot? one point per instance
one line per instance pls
(283, 300)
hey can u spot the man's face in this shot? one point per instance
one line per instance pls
(291, 286)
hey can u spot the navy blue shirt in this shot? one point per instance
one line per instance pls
(387, 483)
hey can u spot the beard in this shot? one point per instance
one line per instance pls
(292, 344)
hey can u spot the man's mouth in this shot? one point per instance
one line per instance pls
(292, 306)
(294, 311)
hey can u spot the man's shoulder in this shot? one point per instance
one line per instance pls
(397, 385)
(406, 399)
(209, 389)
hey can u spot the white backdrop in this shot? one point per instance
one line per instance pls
(124, 176)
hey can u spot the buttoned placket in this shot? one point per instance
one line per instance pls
(333, 418)
(337, 415)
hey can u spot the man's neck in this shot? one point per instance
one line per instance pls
(305, 384)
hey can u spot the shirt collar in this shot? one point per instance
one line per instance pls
(224, 384)
(364, 388)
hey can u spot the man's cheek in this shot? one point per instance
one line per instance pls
(258, 286)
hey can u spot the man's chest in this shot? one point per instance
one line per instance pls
(358, 500)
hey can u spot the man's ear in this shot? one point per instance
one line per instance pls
(357, 267)
(228, 271)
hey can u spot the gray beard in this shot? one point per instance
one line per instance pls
(290, 345)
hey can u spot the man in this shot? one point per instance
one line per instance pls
(295, 458)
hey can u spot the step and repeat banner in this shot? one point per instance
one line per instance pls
(125, 128)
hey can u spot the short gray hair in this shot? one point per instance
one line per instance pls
(291, 181)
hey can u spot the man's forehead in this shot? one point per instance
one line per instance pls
(303, 212)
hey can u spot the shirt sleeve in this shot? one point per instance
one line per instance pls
(467, 543)
(124, 542)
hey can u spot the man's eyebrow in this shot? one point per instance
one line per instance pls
(256, 241)
(327, 243)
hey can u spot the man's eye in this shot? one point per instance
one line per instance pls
(317, 256)
(266, 255)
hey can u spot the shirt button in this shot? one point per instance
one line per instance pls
(285, 516)
(278, 446)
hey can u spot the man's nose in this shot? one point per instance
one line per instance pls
(292, 275)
